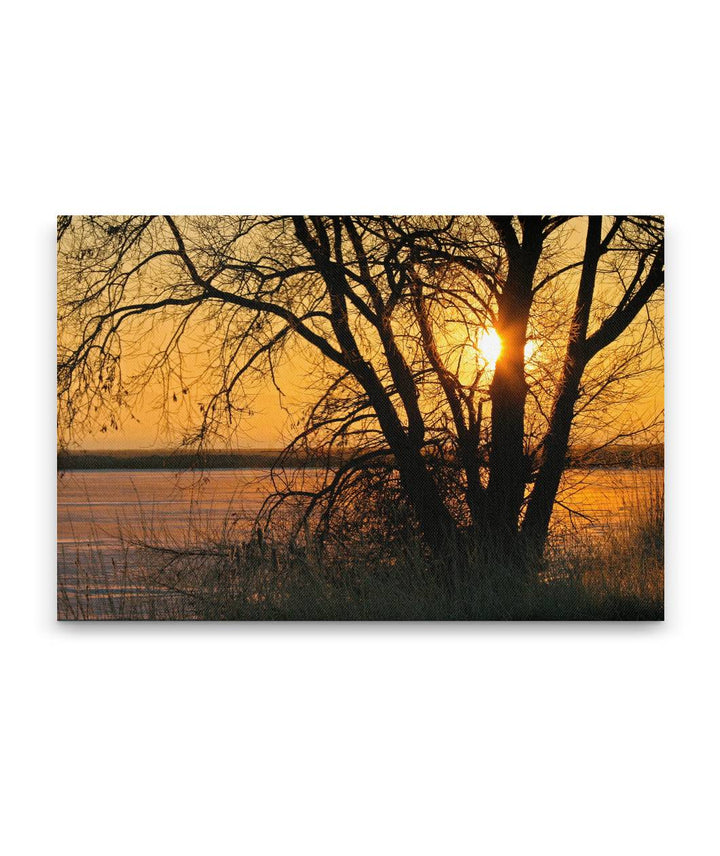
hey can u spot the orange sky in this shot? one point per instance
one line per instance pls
(270, 422)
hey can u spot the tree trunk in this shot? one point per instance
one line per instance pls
(540, 505)
(434, 519)
(506, 482)
(555, 445)
(508, 390)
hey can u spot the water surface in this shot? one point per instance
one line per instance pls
(104, 515)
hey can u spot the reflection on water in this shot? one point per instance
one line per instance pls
(103, 516)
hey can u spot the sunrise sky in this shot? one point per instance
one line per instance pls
(270, 422)
(166, 407)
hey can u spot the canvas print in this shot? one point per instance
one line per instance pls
(360, 417)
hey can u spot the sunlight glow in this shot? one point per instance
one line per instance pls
(489, 345)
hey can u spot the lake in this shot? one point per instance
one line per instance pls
(104, 515)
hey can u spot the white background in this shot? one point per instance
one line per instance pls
(378, 739)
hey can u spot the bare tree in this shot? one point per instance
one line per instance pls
(391, 308)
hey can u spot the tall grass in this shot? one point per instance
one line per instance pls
(616, 577)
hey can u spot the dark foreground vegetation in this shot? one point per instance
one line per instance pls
(616, 577)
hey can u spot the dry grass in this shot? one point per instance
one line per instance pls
(617, 577)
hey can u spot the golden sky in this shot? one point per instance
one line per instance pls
(161, 413)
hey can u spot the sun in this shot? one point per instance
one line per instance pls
(489, 346)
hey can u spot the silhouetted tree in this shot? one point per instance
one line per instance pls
(391, 308)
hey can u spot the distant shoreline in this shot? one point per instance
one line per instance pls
(618, 456)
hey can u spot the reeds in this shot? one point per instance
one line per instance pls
(616, 577)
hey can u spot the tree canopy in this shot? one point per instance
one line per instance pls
(453, 357)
